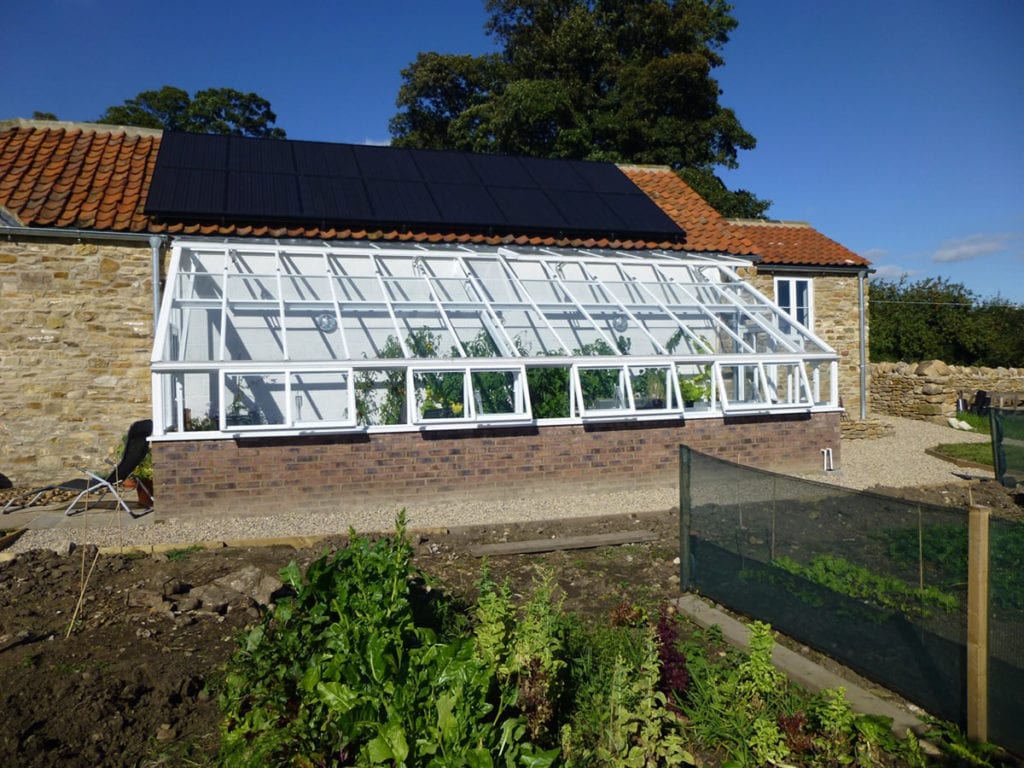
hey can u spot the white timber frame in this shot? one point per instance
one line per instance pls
(259, 337)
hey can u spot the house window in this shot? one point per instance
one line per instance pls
(793, 295)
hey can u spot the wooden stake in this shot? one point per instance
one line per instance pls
(977, 623)
(81, 594)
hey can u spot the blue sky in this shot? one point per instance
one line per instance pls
(895, 127)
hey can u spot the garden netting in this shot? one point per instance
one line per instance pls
(1008, 445)
(875, 582)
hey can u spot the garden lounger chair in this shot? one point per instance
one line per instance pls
(135, 448)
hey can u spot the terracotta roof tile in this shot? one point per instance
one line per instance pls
(62, 176)
(796, 244)
(706, 229)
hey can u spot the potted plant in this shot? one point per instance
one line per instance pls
(656, 387)
(694, 389)
(143, 475)
(141, 478)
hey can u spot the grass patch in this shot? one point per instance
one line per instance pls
(980, 423)
(976, 453)
(980, 453)
(180, 554)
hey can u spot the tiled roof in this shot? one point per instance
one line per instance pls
(77, 176)
(97, 177)
(706, 229)
(796, 244)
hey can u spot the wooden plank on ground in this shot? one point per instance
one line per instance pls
(9, 537)
(568, 542)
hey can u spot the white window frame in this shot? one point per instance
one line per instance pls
(790, 309)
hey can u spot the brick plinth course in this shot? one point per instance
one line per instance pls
(262, 475)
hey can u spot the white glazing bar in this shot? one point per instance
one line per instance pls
(560, 282)
(428, 278)
(514, 277)
(378, 270)
(503, 340)
(762, 299)
(281, 315)
(332, 279)
(222, 345)
(699, 307)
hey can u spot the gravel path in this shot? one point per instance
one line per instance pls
(895, 461)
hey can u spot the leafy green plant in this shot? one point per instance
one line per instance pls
(740, 704)
(944, 551)
(182, 553)
(840, 575)
(549, 391)
(357, 667)
(144, 471)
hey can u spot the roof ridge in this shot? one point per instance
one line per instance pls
(645, 167)
(72, 125)
(769, 223)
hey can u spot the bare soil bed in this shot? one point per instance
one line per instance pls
(125, 672)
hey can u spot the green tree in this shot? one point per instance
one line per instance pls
(213, 110)
(934, 319)
(613, 80)
(44, 116)
(1001, 326)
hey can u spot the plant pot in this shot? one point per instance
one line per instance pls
(142, 490)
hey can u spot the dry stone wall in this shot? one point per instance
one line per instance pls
(76, 325)
(929, 390)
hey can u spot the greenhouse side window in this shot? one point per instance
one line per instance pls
(261, 337)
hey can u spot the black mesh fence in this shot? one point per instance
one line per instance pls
(1008, 445)
(877, 583)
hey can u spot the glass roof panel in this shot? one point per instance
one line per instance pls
(266, 306)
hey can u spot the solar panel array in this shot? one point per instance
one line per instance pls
(218, 178)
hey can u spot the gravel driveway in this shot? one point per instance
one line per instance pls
(898, 460)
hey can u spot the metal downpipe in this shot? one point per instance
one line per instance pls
(863, 345)
(155, 244)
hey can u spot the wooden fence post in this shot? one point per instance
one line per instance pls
(977, 623)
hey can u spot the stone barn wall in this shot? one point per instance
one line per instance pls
(76, 325)
(836, 322)
(267, 475)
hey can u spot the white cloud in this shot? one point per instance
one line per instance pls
(892, 272)
(874, 254)
(377, 142)
(973, 247)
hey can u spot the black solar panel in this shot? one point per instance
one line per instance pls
(467, 205)
(261, 156)
(314, 158)
(263, 196)
(346, 185)
(334, 199)
(555, 174)
(588, 210)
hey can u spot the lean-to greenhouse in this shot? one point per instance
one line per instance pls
(263, 339)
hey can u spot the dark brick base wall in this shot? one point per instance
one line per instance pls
(265, 475)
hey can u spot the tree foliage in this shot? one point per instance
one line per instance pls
(934, 319)
(612, 80)
(213, 110)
